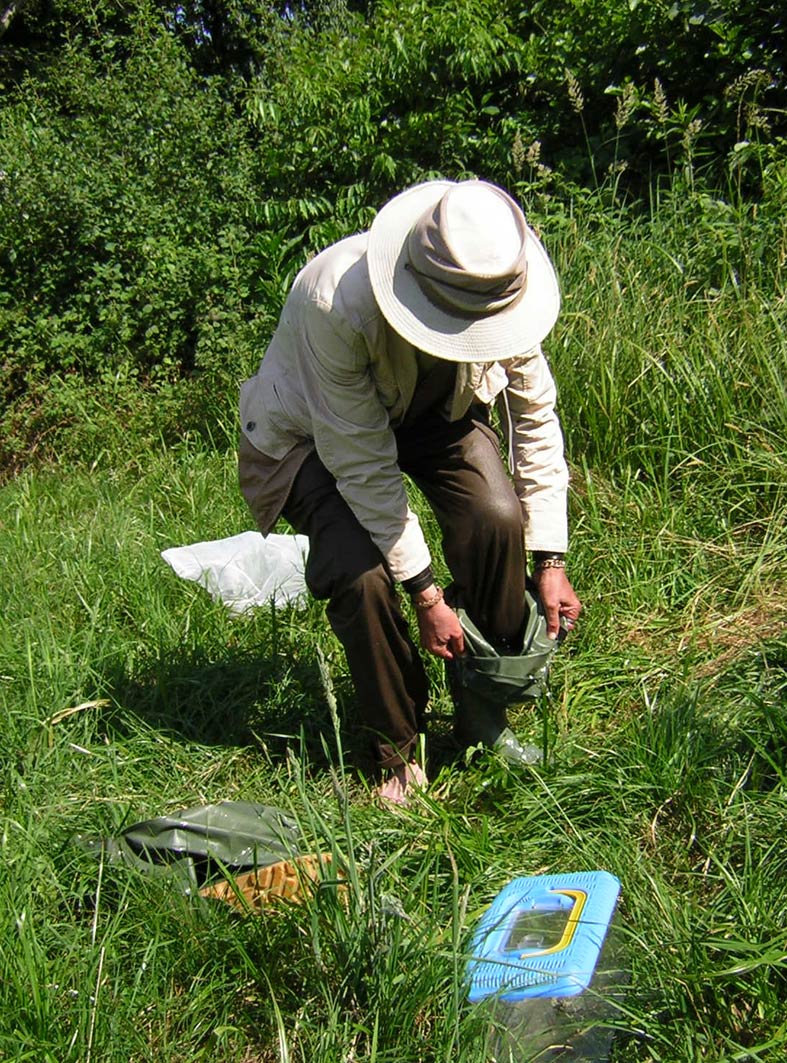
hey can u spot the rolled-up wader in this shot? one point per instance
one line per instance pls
(247, 854)
(487, 679)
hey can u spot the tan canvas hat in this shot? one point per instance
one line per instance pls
(457, 272)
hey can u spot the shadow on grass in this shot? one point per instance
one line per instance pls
(269, 702)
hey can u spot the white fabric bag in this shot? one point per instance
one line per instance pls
(246, 570)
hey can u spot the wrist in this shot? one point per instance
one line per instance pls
(427, 598)
(547, 559)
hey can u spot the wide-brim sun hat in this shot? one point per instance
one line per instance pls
(456, 271)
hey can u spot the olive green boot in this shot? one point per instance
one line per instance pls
(480, 722)
(486, 680)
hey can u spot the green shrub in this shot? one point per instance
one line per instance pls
(162, 177)
(127, 209)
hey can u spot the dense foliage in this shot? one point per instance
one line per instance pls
(165, 169)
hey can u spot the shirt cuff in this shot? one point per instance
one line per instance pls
(419, 582)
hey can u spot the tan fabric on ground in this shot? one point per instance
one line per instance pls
(287, 881)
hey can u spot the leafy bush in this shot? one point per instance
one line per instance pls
(128, 229)
(164, 171)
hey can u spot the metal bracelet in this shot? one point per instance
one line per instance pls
(436, 598)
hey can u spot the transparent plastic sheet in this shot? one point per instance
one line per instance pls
(580, 1029)
(247, 570)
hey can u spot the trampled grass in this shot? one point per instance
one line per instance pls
(126, 693)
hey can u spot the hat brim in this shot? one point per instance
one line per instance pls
(507, 333)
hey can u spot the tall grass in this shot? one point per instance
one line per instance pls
(125, 693)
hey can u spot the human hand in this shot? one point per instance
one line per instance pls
(558, 598)
(441, 632)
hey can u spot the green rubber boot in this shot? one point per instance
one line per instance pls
(486, 681)
(481, 722)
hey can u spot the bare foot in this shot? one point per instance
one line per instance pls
(399, 786)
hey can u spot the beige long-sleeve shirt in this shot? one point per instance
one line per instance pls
(336, 376)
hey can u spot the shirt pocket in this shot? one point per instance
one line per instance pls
(269, 415)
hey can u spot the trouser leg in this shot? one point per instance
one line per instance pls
(459, 469)
(346, 567)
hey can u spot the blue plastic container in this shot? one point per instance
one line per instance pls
(536, 957)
